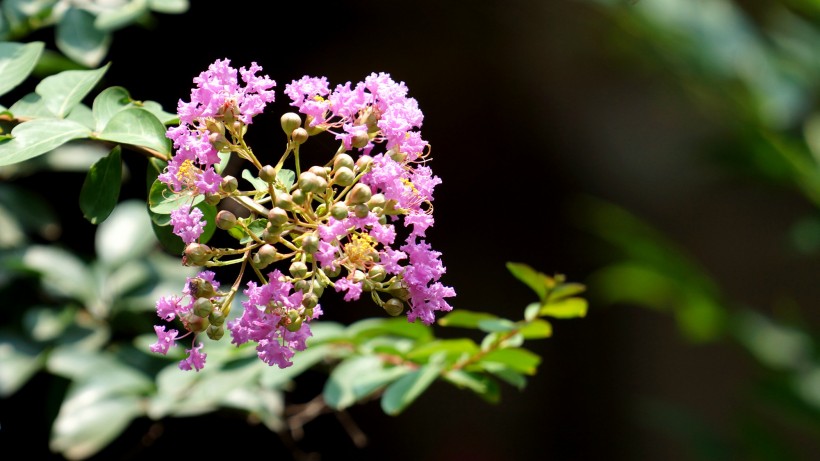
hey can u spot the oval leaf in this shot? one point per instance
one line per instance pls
(101, 188)
(520, 360)
(63, 91)
(17, 60)
(118, 18)
(37, 137)
(356, 378)
(138, 127)
(110, 101)
(77, 38)
(536, 329)
(530, 277)
(566, 308)
(464, 318)
(401, 393)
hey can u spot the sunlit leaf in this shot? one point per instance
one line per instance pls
(62, 272)
(31, 106)
(138, 127)
(117, 18)
(496, 325)
(76, 36)
(530, 277)
(464, 318)
(566, 308)
(109, 102)
(61, 92)
(520, 360)
(101, 188)
(169, 6)
(450, 349)
(536, 329)
(37, 137)
(17, 60)
(19, 360)
(126, 234)
(163, 200)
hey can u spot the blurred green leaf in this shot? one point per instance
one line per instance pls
(565, 290)
(496, 325)
(62, 272)
(536, 329)
(520, 360)
(19, 360)
(17, 60)
(356, 378)
(125, 235)
(449, 349)
(482, 385)
(464, 318)
(126, 14)
(101, 188)
(78, 38)
(530, 277)
(257, 183)
(566, 308)
(401, 393)
(169, 6)
(507, 374)
(37, 137)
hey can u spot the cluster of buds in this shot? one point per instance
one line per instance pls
(331, 225)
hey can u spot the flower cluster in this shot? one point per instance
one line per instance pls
(331, 225)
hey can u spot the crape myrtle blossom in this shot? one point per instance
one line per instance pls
(357, 225)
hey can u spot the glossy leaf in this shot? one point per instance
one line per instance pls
(101, 188)
(209, 215)
(138, 127)
(566, 308)
(565, 290)
(63, 91)
(77, 38)
(167, 118)
(520, 360)
(109, 102)
(464, 318)
(38, 137)
(450, 349)
(401, 393)
(17, 60)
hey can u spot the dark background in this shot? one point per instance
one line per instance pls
(527, 107)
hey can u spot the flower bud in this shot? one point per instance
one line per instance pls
(318, 288)
(344, 176)
(393, 307)
(271, 233)
(196, 323)
(283, 200)
(396, 155)
(298, 269)
(321, 210)
(295, 323)
(376, 201)
(290, 121)
(302, 285)
(343, 160)
(299, 135)
(217, 317)
(196, 254)
(339, 211)
(359, 194)
(212, 199)
(332, 271)
(201, 288)
(202, 307)
(310, 243)
(319, 171)
(267, 174)
(219, 141)
(358, 276)
(359, 140)
(277, 217)
(361, 210)
(309, 182)
(310, 300)
(229, 184)
(265, 255)
(364, 162)
(215, 332)
(399, 289)
(225, 220)
(377, 273)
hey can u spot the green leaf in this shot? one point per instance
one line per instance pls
(163, 200)
(482, 385)
(125, 235)
(82, 114)
(566, 308)
(62, 272)
(356, 378)
(171, 242)
(17, 60)
(450, 349)
(401, 393)
(31, 106)
(113, 19)
(530, 277)
(61, 92)
(101, 188)
(257, 226)
(536, 329)
(505, 373)
(565, 290)
(520, 360)
(138, 127)
(19, 360)
(167, 118)
(496, 325)
(209, 215)
(169, 6)
(464, 318)
(37, 137)
(369, 328)
(77, 38)
(286, 177)
(531, 311)
(257, 183)
(109, 102)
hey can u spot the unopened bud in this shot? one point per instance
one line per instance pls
(359, 140)
(339, 211)
(225, 220)
(343, 160)
(229, 184)
(267, 174)
(377, 273)
(359, 194)
(283, 200)
(201, 288)
(196, 254)
(196, 323)
(363, 162)
(309, 182)
(310, 243)
(321, 210)
(344, 176)
(299, 135)
(376, 200)
(212, 199)
(217, 317)
(397, 155)
(265, 255)
(310, 300)
(361, 210)
(298, 197)
(298, 269)
(203, 307)
(215, 332)
(393, 307)
(290, 121)
(277, 216)
(295, 321)
(319, 171)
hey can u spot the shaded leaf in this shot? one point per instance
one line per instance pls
(63, 91)
(482, 385)
(356, 378)
(77, 38)
(496, 325)
(401, 393)
(17, 60)
(31, 106)
(62, 272)
(530, 277)
(127, 13)
(101, 188)
(125, 235)
(138, 127)
(37, 137)
(450, 349)
(520, 360)
(19, 360)
(109, 102)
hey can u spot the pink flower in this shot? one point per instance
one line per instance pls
(188, 223)
(195, 359)
(354, 289)
(165, 339)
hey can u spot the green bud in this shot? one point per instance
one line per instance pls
(225, 220)
(332, 271)
(363, 162)
(361, 210)
(298, 269)
(217, 317)
(309, 182)
(298, 197)
(310, 300)
(376, 200)
(283, 200)
(219, 141)
(271, 233)
(359, 194)
(295, 321)
(358, 276)
(212, 199)
(277, 217)
(308, 312)
(396, 155)
(229, 184)
(399, 289)
(267, 174)
(344, 177)
(215, 332)
(265, 255)
(302, 285)
(299, 135)
(377, 273)
(339, 211)
(290, 121)
(393, 307)
(196, 323)
(321, 210)
(203, 307)
(201, 288)
(318, 288)
(319, 171)
(343, 160)
(360, 140)
(310, 243)
(196, 254)
(382, 219)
